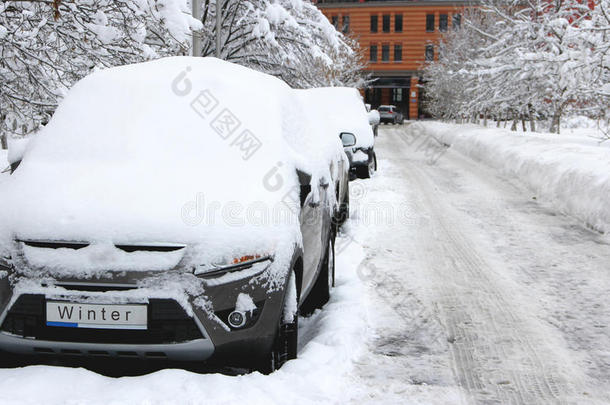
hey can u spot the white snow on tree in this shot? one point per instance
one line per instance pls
(290, 39)
(524, 60)
(46, 46)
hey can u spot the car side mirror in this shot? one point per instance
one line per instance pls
(348, 139)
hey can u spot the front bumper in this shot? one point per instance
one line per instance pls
(195, 350)
(217, 342)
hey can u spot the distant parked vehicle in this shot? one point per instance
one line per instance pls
(390, 115)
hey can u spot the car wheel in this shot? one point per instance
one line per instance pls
(287, 335)
(320, 293)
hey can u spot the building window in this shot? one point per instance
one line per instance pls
(397, 96)
(430, 53)
(385, 53)
(345, 24)
(398, 23)
(386, 23)
(397, 53)
(374, 23)
(429, 22)
(335, 21)
(442, 22)
(373, 53)
(457, 21)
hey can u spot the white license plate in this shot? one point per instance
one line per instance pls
(96, 316)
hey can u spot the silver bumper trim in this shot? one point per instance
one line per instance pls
(194, 350)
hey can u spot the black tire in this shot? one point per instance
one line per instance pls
(320, 293)
(286, 339)
(366, 172)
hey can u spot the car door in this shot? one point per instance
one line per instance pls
(314, 220)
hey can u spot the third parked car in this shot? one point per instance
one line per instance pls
(390, 114)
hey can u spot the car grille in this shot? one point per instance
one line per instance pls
(167, 323)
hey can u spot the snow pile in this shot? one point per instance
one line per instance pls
(176, 150)
(571, 173)
(331, 341)
(340, 109)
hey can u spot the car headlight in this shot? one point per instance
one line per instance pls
(235, 264)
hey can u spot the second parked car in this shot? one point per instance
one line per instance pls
(342, 111)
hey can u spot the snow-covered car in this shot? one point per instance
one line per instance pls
(342, 110)
(323, 130)
(389, 114)
(159, 216)
(374, 118)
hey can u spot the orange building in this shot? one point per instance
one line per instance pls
(397, 37)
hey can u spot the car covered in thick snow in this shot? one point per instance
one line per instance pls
(341, 110)
(165, 212)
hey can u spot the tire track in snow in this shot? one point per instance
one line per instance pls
(497, 356)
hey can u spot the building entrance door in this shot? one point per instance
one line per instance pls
(400, 98)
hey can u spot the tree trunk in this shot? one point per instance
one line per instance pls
(523, 124)
(513, 127)
(505, 123)
(485, 120)
(498, 122)
(3, 143)
(531, 118)
(556, 122)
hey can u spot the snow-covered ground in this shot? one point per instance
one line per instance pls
(454, 286)
(570, 172)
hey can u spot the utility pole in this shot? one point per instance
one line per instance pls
(196, 11)
(218, 26)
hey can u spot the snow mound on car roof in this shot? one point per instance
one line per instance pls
(148, 152)
(342, 110)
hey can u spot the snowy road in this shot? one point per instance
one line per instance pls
(479, 293)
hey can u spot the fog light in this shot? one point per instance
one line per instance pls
(237, 319)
